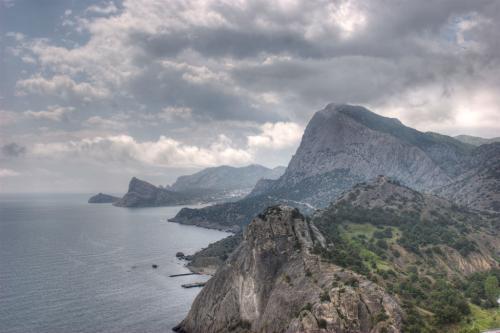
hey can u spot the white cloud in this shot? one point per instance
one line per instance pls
(163, 152)
(116, 122)
(106, 9)
(8, 173)
(175, 113)
(61, 85)
(54, 113)
(276, 136)
(8, 117)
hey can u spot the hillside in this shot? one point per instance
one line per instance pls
(381, 258)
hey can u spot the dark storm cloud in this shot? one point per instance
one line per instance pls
(400, 46)
(227, 42)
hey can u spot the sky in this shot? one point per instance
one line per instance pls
(95, 92)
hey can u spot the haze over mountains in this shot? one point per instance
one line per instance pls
(223, 183)
(344, 145)
(226, 178)
(475, 140)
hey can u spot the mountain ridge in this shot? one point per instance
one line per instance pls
(344, 145)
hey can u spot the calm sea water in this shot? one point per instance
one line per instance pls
(68, 266)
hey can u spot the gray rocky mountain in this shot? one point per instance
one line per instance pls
(144, 194)
(103, 198)
(344, 145)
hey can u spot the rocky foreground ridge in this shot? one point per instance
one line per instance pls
(378, 259)
(273, 283)
(344, 145)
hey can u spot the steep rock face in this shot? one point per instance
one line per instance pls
(226, 178)
(273, 283)
(334, 140)
(144, 194)
(103, 198)
(479, 187)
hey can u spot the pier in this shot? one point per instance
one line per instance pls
(183, 274)
(193, 285)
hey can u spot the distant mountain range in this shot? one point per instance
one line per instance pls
(217, 184)
(344, 145)
(226, 178)
(475, 140)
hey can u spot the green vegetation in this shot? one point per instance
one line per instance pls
(480, 320)
(448, 305)
(483, 288)
(367, 240)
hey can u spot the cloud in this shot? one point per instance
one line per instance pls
(116, 122)
(174, 113)
(106, 9)
(54, 113)
(169, 152)
(62, 86)
(276, 136)
(175, 74)
(13, 150)
(165, 151)
(268, 61)
(8, 117)
(8, 173)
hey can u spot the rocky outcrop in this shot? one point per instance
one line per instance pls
(274, 283)
(144, 194)
(103, 198)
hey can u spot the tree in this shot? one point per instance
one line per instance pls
(491, 289)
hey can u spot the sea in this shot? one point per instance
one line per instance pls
(69, 266)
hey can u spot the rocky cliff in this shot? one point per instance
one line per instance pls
(103, 198)
(144, 194)
(274, 283)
